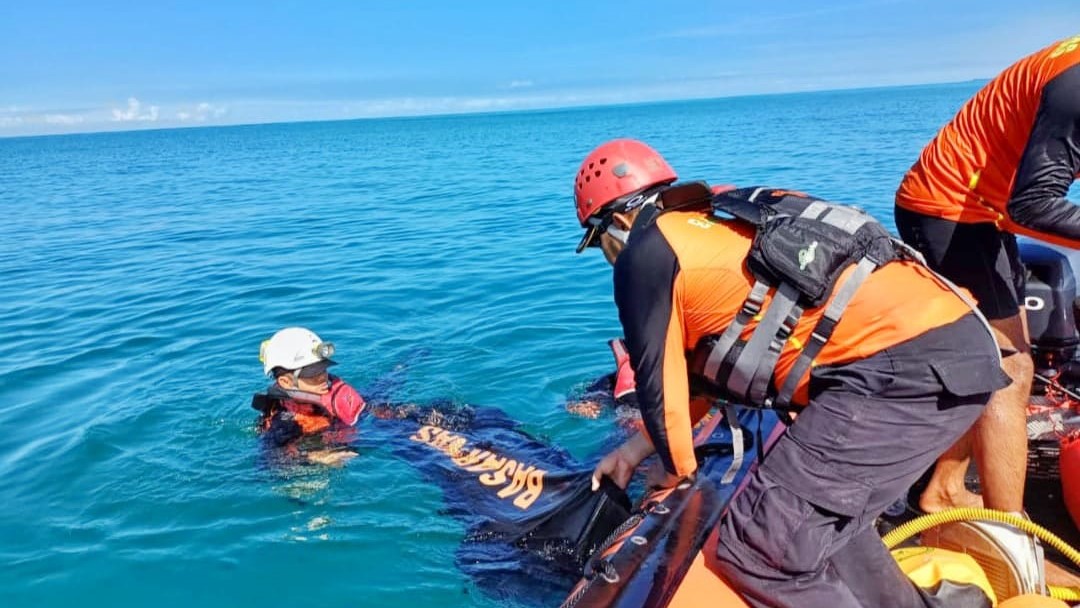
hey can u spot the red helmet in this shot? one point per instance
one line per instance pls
(615, 169)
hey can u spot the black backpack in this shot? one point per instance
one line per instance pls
(802, 246)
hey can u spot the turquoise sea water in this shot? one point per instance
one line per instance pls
(140, 271)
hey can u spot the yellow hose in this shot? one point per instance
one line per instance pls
(925, 522)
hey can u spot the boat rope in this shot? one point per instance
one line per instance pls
(599, 565)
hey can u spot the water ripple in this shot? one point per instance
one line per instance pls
(143, 269)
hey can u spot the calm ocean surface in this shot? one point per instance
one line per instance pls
(141, 271)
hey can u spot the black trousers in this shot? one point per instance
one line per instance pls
(801, 533)
(978, 257)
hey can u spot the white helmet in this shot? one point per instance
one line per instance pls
(293, 348)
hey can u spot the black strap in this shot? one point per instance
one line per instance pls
(645, 217)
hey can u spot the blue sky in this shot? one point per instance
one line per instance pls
(93, 66)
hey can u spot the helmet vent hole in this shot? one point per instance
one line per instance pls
(597, 173)
(603, 160)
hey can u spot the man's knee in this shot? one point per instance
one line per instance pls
(770, 529)
(1011, 334)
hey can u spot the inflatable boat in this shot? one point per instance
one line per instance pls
(664, 554)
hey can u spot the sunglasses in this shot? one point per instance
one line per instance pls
(598, 225)
(601, 223)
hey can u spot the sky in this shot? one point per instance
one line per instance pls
(69, 67)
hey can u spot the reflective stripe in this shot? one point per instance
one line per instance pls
(847, 219)
(737, 451)
(824, 329)
(814, 210)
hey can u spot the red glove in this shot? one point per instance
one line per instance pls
(343, 401)
(624, 372)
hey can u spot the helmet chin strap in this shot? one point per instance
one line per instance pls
(619, 235)
(646, 214)
(645, 217)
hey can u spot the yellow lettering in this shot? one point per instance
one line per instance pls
(518, 483)
(443, 439)
(467, 459)
(534, 488)
(456, 446)
(499, 475)
(1067, 46)
(492, 462)
(700, 223)
(423, 434)
(526, 482)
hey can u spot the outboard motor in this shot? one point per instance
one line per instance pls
(1050, 304)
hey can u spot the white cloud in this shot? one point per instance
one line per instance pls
(520, 84)
(10, 121)
(201, 113)
(63, 119)
(134, 112)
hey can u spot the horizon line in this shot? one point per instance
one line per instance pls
(488, 112)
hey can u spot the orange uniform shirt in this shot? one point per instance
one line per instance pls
(1010, 154)
(684, 278)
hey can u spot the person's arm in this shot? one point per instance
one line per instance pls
(620, 464)
(647, 296)
(343, 401)
(623, 383)
(1050, 162)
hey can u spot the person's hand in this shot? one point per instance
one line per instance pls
(659, 479)
(383, 412)
(343, 402)
(585, 408)
(620, 464)
(615, 465)
(624, 382)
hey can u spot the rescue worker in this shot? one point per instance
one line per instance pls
(906, 372)
(519, 496)
(1002, 166)
(304, 399)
